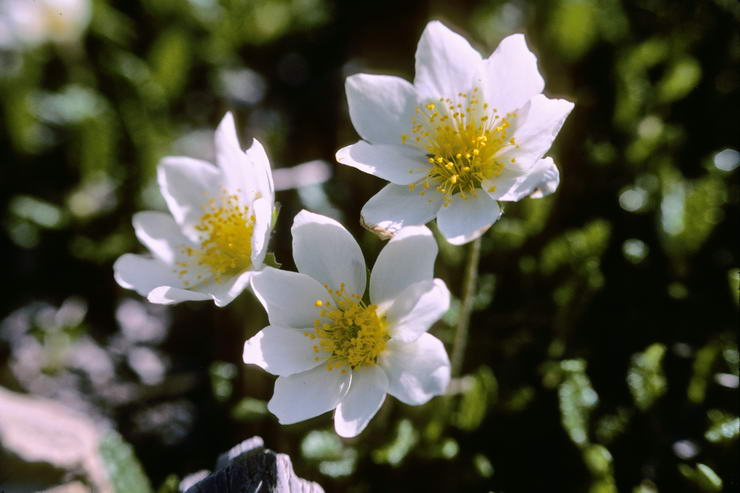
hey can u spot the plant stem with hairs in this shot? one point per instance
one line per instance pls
(470, 281)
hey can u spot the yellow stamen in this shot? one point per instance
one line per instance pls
(225, 236)
(461, 139)
(349, 335)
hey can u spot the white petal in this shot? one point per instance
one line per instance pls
(542, 180)
(238, 170)
(143, 274)
(262, 171)
(381, 107)
(262, 209)
(446, 64)
(465, 220)
(167, 295)
(406, 259)
(512, 75)
(546, 176)
(396, 163)
(187, 185)
(395, 207)
(509, 179)
(226, 291)
(159, 232)
(544, 118)
(280, 351)
(288, 297)
(324, 250)
(415, 310)
(417, 371)
(308, 394)
(364, 398)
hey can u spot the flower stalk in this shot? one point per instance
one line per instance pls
(466, 306)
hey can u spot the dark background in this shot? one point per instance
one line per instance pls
(603, 349)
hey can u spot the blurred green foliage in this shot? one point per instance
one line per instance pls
(577, 400)
(326, 448)
(124, 471)
(702, 476)
(478, 396)
(603, 349)
(645, 377)
(724, 427)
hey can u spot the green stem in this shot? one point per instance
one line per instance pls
(466, 306)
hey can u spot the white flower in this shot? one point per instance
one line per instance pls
(33, 22)
(468, 133)
(331, 349)
(216, 236)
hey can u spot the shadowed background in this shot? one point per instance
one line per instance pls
(603, 350)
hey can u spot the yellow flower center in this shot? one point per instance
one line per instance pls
(225, 236)
(462, 139)
(349, 333)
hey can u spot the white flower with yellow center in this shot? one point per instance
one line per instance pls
(331, 347)
(216, 236)
(28, 23)
(468, 133)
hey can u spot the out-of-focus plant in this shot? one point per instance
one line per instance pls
(645, 377)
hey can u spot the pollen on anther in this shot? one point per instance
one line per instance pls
(460, 137)
(225, 241)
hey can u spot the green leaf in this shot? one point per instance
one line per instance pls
(520, 399)
(171, 484)
(577, 400)
(703, 362)
(573, 27)
(483, 465)
(275, 214)
(578, 251)
(124, 470)
(679, 80)
(598, 460)
(733, 279)
(484, 292)
(724, 427)
(321, 445)
(170, 61)
(645, 376)
(271, 261)
(44, 214)
(222, 376)
(394, 452)
(324, 447)
(646, 486)
(479, 392)
(702, 476)
(611, 426)
(249, 409)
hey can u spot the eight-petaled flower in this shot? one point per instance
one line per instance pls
(216, 236)
(331, 347)
(468, 133)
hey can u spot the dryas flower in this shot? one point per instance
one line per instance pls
(216, 234)
(331, 347)
(468, 133)
(29, 23)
